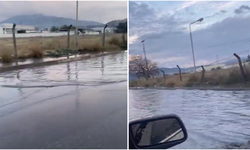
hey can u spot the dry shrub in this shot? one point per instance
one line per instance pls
(170, 84)
(114, 41)
(91, 47)
(109, 47)
(35, 51)
(193, 78)
(6, 56)
(49, 45)
(233, 77)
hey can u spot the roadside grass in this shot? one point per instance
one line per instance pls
(37, 47)
(35, 51)
(5, 56)
(223, 77)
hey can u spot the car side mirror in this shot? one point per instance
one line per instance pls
(157, 132)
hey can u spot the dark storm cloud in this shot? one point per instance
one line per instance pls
(242, 9)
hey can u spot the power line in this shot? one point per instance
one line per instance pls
(227, 58)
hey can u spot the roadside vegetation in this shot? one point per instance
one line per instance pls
(217, 77)
(223, 78)
(39, 47)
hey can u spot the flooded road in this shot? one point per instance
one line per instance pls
(213, 118)
(81, 104)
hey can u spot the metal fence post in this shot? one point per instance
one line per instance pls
(179, 72)
(241, 67)
(103, 38)
(164, 75)
(203, 74)
(68, 41)
(14, 42)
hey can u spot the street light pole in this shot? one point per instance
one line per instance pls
(191, 38)
(143, 46)
(192, 46)
(76, 23)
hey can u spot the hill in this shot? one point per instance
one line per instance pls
(42, 21)
(115, 23)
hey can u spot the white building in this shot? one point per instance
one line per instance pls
(6, 28)
(107, 30)
(90, 32)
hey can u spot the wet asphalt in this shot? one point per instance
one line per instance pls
(89, 111)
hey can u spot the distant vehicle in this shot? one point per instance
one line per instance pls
(160, 132)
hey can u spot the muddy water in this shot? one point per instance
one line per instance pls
(213, 119)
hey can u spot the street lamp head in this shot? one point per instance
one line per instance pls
(142, 41)
(105, 26)
(201, 19)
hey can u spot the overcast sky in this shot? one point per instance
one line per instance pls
(164, 26)
(94, 11)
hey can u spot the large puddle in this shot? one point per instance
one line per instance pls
(213, 118)
(20, 84)
(81, 104)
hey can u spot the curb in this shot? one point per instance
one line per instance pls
(54, 62)
(193, 88)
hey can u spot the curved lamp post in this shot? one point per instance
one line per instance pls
(199, 20)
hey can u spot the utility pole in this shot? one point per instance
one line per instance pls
(76, 23)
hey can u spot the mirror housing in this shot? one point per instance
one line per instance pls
(177, 130)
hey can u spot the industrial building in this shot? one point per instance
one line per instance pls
(6, 28)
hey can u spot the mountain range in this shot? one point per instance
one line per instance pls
(42, 21)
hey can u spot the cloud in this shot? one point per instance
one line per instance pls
(186, 4)
(102, 11)
(167, 38)
(144, 19)
(222, 39)
(133, 39)
(242, 9)
(217, 14)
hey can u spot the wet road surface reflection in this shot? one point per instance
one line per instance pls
(71, 105)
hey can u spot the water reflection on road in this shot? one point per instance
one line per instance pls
(81, 104)
(212, 118)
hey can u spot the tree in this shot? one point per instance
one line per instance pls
(65, 27)
(218, 68)
(53, 29)
(122, 27)
(137, 65)
(248, 59)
